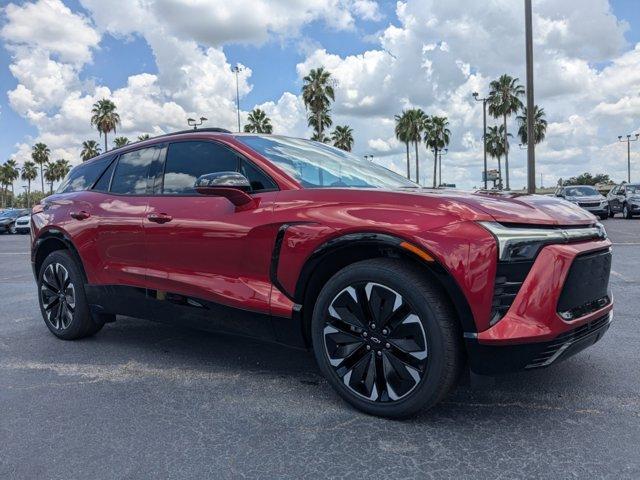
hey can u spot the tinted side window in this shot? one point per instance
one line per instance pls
(130, 176)
(259, 181)
(186, 161)
(83, 176)
(102, 185)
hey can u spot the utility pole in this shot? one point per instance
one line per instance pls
(441, 153)
(237, 69)
(629, 140)
(531, 144)
(484, 133)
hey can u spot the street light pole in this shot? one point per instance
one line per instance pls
(484, 133)
(531, 144)
(237, 70)
(629, 140)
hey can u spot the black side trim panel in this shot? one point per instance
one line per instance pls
(173, 308)
(54, 233)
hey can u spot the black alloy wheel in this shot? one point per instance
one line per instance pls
(386, 337)
(58, 296)
(375, 342)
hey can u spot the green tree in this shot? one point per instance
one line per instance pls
(402, 134)
(90, 149)
(40, 155)
(317, 94)
(105, 118)
(4, 184)
(144, 136)
(342, 137)
(12, 173)
(29, 174)
(121, 141)
(539, 124)
(258, 122)
(504, 100)
(62, 168)
(50, 175)
(437, 136)
(326, 121)
(417, 120)
(588, 179)
(497, 147)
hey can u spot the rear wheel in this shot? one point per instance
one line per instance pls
(386, 339)
(62, 298)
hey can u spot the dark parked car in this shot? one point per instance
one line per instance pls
(587, 197)
(8, 219)
(395, 288)
(624, 199)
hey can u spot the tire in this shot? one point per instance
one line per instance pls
(12, 229)
(67, 316)
(626, 213)
(418, 317)
(604, 216)
(610, 212)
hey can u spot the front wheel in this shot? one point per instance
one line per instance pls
(12, 229)
(386, 338)
(62, 298)
(626, 213)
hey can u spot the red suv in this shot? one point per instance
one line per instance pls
(395, 288)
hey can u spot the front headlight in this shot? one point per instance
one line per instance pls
(524, 243)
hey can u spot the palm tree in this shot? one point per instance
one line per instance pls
(326, 122)
(62, 168)
(317, 94)
(29, 173)
(342, 137)
(121, 141)
(4, 183)
(12, 173)
(416, 122)
(144, 136)
(437, 137)
(90, 149)
(50, 175)
(105, 118)
(504, 100)
(258, 122)
(539, 125)
(40, 155)
(497, 147)
(402, 134)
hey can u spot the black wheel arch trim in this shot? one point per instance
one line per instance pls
(61, 236)
(439, 272)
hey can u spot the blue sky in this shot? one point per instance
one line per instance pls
(124, 52)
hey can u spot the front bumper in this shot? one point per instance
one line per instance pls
(494, 360)
(532, 327)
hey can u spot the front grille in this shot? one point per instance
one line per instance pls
(23, 223)
(509, 279)
(589, 204)
(586, 288)
(556, 347)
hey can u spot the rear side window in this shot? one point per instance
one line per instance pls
(130, 176)
(83, 176)
(186, 161)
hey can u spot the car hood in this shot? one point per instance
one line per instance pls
(519, 208)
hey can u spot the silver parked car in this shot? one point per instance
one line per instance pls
(587, 197)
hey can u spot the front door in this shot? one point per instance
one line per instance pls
(203, 253)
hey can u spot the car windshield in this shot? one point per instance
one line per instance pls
(9, 214)
(580, 191)
(633, 189)
(316, 165)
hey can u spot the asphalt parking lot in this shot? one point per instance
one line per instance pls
(145, 400)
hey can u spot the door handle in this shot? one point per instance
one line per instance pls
(159, 217)
(81, 215)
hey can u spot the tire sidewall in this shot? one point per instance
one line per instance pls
(81, 315)
(427, 391)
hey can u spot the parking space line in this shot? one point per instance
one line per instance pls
(14, 253)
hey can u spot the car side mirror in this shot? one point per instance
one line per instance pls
(231, 185)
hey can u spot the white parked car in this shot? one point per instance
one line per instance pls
(23, 224)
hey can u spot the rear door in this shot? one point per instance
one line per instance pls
(201, 250)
